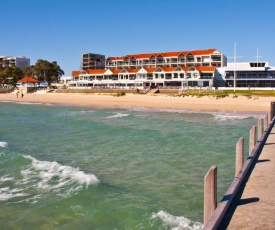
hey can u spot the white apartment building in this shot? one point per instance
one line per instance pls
(209, 57)
(166, 69)
(19, 61)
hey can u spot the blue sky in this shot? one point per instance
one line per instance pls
(61, 30)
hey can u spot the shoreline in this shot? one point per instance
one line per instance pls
(241, 104)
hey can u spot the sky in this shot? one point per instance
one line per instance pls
(62, 30)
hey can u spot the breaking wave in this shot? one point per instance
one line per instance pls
(8, 193)
(177, 222)
(119, 115)
(41, 178)
(54, 175)
(226, 117)
(3, 144)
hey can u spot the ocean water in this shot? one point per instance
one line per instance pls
(65, 167)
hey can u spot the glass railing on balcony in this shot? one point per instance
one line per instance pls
(206, 77)
(110, 64)
(149, 63)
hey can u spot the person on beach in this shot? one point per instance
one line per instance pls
(17, 92)
(22, 94)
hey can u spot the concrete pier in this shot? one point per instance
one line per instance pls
(256, 207)
(249, 202)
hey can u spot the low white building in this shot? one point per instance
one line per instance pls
(19, 61)
(246, 74)
(65, 79)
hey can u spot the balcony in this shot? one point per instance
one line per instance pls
(148, 63)
(206, 77)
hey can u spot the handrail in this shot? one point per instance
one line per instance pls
(218, 215)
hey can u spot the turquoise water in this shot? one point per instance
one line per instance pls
(65, 167)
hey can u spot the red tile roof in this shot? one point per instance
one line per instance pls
(28, 79)
(112, 58)
(132, 70)
(150, 70)
(168, 69)
(95, 71)
(184, 68)
(115, 71)
(166, 54)
(205, 68)
(75, 73)
(172, 54)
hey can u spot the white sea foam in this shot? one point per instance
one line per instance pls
(29, 103)
(3, 144)
(225, 117)
(7, 193)
(54, 175)
(118, 115)
(5, 178)
(79, 210)
(83, 112)
(177, 222)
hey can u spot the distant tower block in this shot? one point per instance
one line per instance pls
(93, 61)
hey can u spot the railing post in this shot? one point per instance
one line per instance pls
(210, 193)
(252, 139)
(265, 122)
(239, 155)
(260, 128)
(272, 110)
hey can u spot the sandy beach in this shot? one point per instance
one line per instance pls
(254, 104)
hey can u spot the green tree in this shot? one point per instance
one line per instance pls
(9, 74)
(29, 71)
(16, 73)
(48, 71)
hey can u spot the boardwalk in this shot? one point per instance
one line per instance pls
(256, 207)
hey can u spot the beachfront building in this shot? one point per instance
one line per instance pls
(163, 77)
(246, 75)
(166, 69)
(209, 57)
(93, 61)
(19, 61)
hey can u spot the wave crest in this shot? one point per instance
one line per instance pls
(61, 174)
(119, 115)
(7, 193)
(3, 144)
(177, 222)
